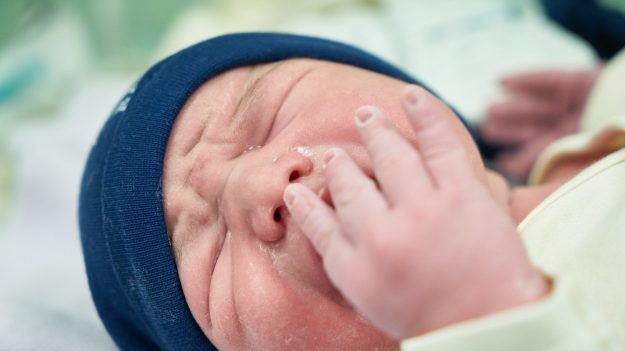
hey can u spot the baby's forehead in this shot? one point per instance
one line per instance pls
(217, 101)
(217, 104)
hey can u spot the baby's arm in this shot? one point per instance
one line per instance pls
(432, 247)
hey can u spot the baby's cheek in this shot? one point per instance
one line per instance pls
(249, 303)
(223, 328)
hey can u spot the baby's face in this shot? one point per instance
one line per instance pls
(251, 278)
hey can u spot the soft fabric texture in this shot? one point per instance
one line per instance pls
(576, 236)
(131, 271)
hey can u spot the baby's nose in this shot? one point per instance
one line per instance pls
(267, 206)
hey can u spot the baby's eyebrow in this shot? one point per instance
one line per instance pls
(250, 94)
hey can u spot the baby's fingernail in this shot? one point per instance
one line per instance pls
(290, 195)
(410, 96)
(363, 115)
(328, 156)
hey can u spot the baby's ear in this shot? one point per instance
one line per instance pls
(499, 189)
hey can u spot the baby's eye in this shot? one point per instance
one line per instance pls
(279, 122)
(375, 181)
(252, 148)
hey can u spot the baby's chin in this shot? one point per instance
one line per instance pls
(289, 305)
(303, 322)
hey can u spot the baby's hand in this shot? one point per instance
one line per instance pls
(432, 247)
(541, 107)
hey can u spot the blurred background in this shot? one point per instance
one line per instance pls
(64, 64)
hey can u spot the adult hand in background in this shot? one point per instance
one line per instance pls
(431, 247)
(540, 108)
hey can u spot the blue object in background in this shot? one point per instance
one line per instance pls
(600, 26)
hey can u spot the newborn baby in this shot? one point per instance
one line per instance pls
(184, 227)
(238, 142)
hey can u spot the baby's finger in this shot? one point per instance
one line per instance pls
(510, 133)
(359, 204)
(525, 110)
(540, 83)
(315, 219)
(396, 163)
(319, 224)
(519, 163)
(440, 147)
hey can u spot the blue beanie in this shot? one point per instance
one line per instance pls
(131, 270)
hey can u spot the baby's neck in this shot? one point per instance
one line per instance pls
(524, 199)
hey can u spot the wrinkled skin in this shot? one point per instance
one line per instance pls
(251, 278)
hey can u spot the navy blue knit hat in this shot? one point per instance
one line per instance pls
(131, 270)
